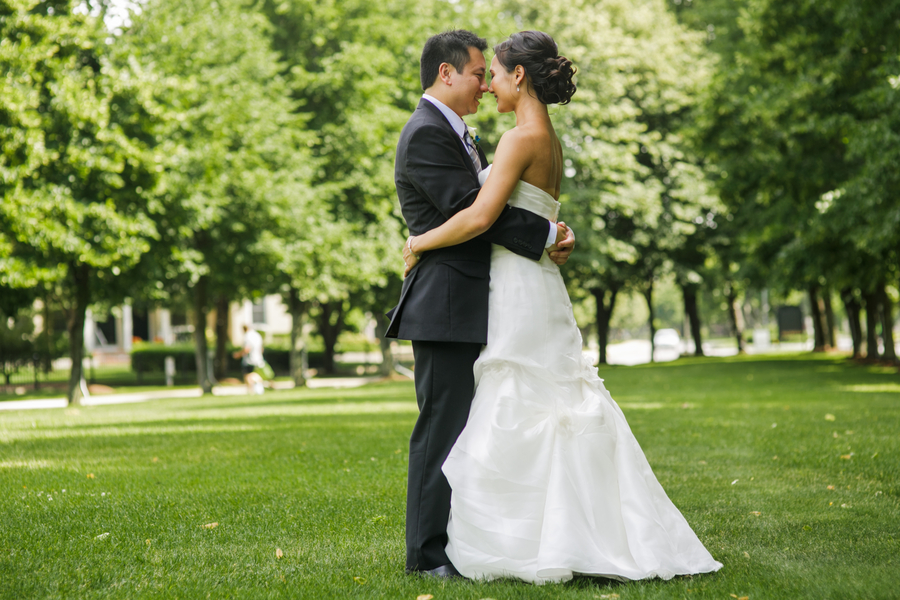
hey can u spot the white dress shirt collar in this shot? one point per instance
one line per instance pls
(456, 122)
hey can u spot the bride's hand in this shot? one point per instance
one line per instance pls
(565, 243)
(409, 257)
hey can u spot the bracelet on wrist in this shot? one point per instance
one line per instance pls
(409, 247)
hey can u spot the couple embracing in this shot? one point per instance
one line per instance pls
(520, 464)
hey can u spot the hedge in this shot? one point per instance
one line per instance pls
(152, 358)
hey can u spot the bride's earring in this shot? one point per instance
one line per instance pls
(517, 88)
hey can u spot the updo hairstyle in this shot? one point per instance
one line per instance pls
(549, 73)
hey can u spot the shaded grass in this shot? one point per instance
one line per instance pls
(320, 474)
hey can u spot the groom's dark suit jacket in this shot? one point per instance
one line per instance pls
(445, 296)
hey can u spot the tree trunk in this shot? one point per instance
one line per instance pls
(387, 356)
(47, 359)
(299, 364)
(82, 284)
(887, 324)
(816, 309)
(831, 338)
(200, 335)
(648, 296)
(735, 317)
(689, 294)
(222, 316)
(331, 322)
(871, 325)
(606, 302)
(852, 308)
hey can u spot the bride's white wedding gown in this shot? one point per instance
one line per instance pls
(548, 480)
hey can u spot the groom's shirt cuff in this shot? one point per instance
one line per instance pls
(551, 239)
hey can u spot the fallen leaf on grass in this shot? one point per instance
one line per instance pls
(424, 597)
(360, 580)
(847, 456)
(740, 597)
(211, 525)
(279, 553)
(735, 481)
(102, 536)
(607, 596)
(830, 487)
(829, 417)
(90, 475)
(155, 459)
(746, 555)
(755, 513)
(147, 542)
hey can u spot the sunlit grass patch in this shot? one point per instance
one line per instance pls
(882, 388)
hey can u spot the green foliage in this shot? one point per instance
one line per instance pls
(342, 62)
(74, 172)
(230, 142)
(799, 120)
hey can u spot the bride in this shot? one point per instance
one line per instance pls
(547, 479)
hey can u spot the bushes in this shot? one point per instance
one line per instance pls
(149, 358)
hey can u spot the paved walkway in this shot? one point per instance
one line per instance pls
(224, 390)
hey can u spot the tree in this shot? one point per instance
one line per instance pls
(799, 119)
(232, 145)
(344, 69)
(76, 167)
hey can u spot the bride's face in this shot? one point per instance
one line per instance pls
(503, 86)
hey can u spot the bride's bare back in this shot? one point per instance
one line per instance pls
(544, 155)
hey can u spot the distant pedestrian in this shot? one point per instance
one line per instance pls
(251, 356)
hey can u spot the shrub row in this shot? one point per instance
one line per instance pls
(152, 358)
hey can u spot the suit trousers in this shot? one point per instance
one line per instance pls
(445, 385)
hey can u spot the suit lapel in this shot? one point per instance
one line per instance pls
(436, 116)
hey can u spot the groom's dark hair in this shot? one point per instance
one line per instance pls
(450, 47)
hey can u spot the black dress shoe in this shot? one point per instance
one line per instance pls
(447, 571)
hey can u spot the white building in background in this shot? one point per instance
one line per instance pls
(269, 316)
(112, 338)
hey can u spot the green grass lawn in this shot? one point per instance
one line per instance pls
(786, 467)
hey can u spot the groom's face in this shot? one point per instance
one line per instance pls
(469, 85)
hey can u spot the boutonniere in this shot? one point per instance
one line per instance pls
(473, 135)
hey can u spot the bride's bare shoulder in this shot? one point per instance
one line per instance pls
(526, 140)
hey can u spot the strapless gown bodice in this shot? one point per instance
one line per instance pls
(529, 197)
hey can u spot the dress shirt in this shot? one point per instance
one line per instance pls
(459, 126)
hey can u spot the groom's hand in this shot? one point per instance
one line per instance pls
(565, 243)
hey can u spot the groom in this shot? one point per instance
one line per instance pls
(443, 305)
